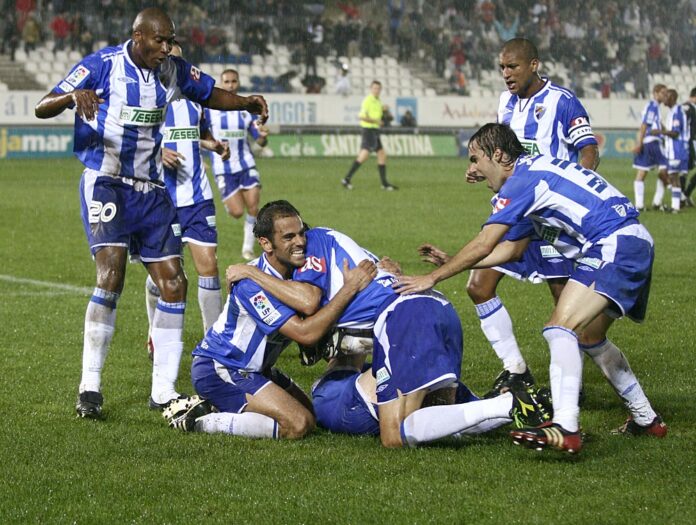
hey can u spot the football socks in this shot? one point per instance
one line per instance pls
(497, 327)
(100, 319)
(167, 330)
(565, 373)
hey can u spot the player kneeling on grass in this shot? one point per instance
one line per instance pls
(417, 339)
(232, 368)
(588, 220)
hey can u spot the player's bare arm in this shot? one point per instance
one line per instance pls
(226, 101)
(85, 101)
(639, 141)
(589, 157)
(504, 252)
(432, 254)
(304, 298)
(476, 250)
(310, 330)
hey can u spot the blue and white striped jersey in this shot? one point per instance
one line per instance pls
(184, 125)
(569, 206)
(125, 137)
(551, 122)
(677, 122)
(233, 126)
(326, 251)
(246, 336)
(651, 118)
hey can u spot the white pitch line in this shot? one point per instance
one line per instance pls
(47, 284)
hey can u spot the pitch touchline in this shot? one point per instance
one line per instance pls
(47, 284)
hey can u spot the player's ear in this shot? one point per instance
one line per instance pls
(266, 244)
(535, 65)
(497, 155)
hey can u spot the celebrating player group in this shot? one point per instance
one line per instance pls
(393, 343)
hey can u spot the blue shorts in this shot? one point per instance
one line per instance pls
(341, 407)
(678, 160)
(198, 223)
(620, 267)
(650, 157)
(226, 388)
(231, 183)
(540, 262)
(138, 215)
(418, 345)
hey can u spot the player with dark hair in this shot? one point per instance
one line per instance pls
(371, 113)
(647, 152)
(548, 119)
(676, 146)
(598, 228)
(120, 95)
(237, 176)
(186, 133)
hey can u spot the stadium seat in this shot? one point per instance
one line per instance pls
(43, 78)
(74, 56)
(31, 66)
(430, 92)
(3, 87)
(20, 55)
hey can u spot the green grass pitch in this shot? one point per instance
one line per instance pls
(133, 469)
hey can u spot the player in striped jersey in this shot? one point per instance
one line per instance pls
(547, 119)
(233, 366)
(120, 96)
(677, 135)
(237, 177)
(598, 227)
(185, 134)
(648, 153)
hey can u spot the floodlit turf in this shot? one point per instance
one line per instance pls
(132, 468)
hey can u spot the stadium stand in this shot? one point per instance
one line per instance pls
(419, 49)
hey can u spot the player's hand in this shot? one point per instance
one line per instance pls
(263, 130)
(256, 104)
(86, 103)
(360, 276)
(172, 159)
(225, 155)
(237, 272)
(221, 148)
(432, 254)
(389, 265)
(637, 149)
(407, 285)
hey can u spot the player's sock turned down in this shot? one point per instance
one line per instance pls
(248, 244)
(431, 423)
(497, 327)
(209, 300)
(167, 330)
(100, 319)
(245, 424)
(565, 374)
(616, 369)
(639, 192)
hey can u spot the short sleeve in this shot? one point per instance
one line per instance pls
(193, 83)
(515, 199)
(252, 127)
(576, 124)
(84, 75)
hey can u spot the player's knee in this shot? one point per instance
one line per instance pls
(480, 291)
(173, 289)
(299, 426)
(110, 278)
(233, 212)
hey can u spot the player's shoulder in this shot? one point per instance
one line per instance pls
(562, 92)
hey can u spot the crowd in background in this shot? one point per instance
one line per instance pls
(457, 39)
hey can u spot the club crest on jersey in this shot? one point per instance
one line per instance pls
(539, 110)
(195, 73)
(316, 264)
(620, 209)
(77, 76)
(264, 308)
(500, 204)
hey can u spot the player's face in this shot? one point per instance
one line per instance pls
(519, 73)
(152, 44)
(376, 89)
(289, 242)
(484, 168)
(230, 82)
(661, 95)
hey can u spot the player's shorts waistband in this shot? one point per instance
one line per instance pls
(143, 186)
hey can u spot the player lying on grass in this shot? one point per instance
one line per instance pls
(593, 224)
(417, 339)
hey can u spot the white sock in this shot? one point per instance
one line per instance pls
(639, 192)
(209, 300)
(152, 293)
(676, 198)
(616, 369)
(100, 319)
(431, 423)
(659, 192)
(245, 424)
(497, 327)
(483, 427)
(248, 244)
(167, 331)
(565, 374)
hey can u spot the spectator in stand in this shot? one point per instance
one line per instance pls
(342, 86)
(341, 37)
(61, 28)
(441, 52)
(10, 35)
(31, 33)
(457, 53)
(314, 38)
(408, 120)
(507, 29)
(396, 11)
(404, 39)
